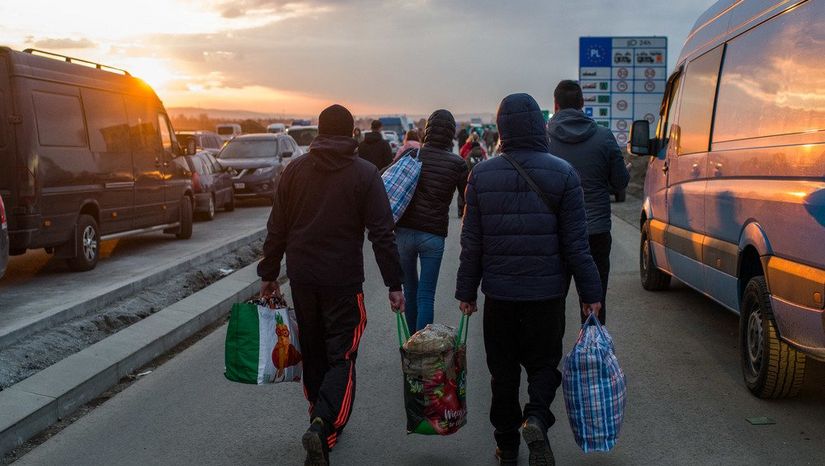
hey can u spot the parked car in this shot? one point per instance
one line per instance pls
(258, 160)
(735, 191)
(90, 157)
(397, 124)
(4, 239)
(276, 128)
(211, 184)
(227, 131)
(300, 123)
(392, 138)
(193, 142)
(303, 135)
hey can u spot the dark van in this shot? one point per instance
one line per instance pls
(85, 156)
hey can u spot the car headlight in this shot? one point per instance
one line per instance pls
(264, 171)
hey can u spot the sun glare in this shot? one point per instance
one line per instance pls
(156, 72)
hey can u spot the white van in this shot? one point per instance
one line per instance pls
(228, 131)
(276, 128)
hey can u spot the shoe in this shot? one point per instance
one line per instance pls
(506, 456)
(315, 443)
(535, 435)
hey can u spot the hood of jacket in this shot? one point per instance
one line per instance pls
(571, 126)
(332, 153)
(373, 137)
(440, 130)
(521, 124)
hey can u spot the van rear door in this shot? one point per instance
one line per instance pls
(7, 154)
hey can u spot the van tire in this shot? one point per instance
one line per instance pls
(771, 367)
(185, 231)
(230, 206)
(652, 278)
(87, 244)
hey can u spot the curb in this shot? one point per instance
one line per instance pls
(39, 401)
(123, 290)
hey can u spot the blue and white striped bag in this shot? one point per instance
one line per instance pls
(594, 388)
(400, 180)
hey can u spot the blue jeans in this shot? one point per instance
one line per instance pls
(419, 290)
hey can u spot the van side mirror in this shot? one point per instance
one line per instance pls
(286, 154)
(640, 138)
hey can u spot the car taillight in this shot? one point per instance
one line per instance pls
(196, 182)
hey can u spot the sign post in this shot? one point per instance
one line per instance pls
(623, 79)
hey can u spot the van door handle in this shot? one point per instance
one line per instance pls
(665, 166)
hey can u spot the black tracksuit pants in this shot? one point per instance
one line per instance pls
(520, 334)
(330, 325)
(600, 246)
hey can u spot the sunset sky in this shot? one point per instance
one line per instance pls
(296, 57)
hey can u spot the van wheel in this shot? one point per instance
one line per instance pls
(210, 212)
(230, 206)
(771, 367)
(185, 231)
(87, 245)
(653, 279)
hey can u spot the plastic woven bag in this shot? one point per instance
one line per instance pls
(434, 364)
(262, 344)
(594, 388)
(400, 181)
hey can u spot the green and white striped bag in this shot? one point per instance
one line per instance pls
(262, 344)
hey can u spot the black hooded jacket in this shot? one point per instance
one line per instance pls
(442, 172)
(375, 149)
(325, 200)
(593, 152)
(511, 242)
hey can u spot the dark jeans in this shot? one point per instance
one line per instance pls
(600, 245)
(520, 334)
(331, 324)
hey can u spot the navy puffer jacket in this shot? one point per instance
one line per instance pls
(511, 243)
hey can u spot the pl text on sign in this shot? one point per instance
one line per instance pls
(623, 79)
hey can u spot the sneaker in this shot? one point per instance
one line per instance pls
(315, 444)
(506, 456)
(535, 435)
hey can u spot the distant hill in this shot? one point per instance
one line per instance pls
(194, 112)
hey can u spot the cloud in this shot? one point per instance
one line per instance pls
(62, 43)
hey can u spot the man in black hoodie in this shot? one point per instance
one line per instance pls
(593, 152)
(374, 148)
(325, 200)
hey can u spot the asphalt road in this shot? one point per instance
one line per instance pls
(22, 296)
(686, 400)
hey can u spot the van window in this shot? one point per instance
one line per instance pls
(106, 118)
(165, 133)
(142, 125)
(772, 79)
(59, 120)
(696, 106)
(666, 120)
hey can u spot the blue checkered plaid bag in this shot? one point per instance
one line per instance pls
(594, 388)
(400, 180)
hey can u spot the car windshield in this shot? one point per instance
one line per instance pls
(303, 136)
(225, 130)
(250, 149)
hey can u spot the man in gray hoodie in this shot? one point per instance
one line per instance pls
(592, 150)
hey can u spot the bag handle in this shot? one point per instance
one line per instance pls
(402, 327)
(526, 176)
(591, 320)
(461, 337)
